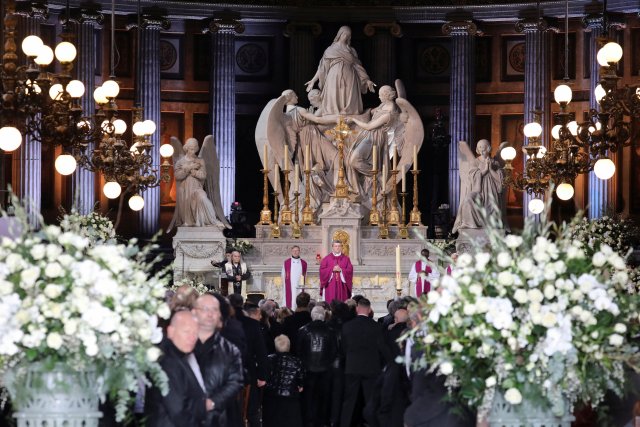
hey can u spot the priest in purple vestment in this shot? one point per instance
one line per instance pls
(336, 274)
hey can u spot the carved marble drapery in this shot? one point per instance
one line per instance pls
(83, 185)
(302, 60)
(222, 105)
(383, 44)
(147, 95)
(537, 77)
(462, 89)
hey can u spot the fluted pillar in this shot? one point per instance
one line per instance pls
(147, 96)
(302, 60)
(462, 89)
(27, 160)
(222, 104)
(383, 35)
(83, 183)
(537, 78)
(599, 195)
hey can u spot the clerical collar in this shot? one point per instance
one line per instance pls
(336, 254)
(295, 257)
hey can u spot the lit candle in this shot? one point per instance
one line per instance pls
(415, 158)
(296, 178)
(398, 273)
(375, 158)
(286, 158)
(404, 180)
(265, 157)
(395, 158)
(276, 171)
(384, 178)
(307, 158)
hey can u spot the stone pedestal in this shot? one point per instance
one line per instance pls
(468, 239)
(194, 249)
(341, 221)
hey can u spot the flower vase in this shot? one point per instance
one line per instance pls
(525, 414)
(54, 397)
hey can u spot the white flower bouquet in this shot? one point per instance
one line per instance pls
(242, 246)
(94, 226)
(193, 282)
(618, 233)
(533, 317)
(63, 302)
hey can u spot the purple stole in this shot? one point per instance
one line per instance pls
(288, 292)
(427, 284)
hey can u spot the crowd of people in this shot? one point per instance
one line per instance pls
(232, 363)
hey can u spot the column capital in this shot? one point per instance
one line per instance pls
(594, 18)
(153, 18)
(294, 27)
(530, 21)
(225, 21)
(89, 12)
(392, 27)
(460, 22)
(33, 9)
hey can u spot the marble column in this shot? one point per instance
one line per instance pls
(87, 18)
(147, 96)
(222, 104)
(27, 160)
(537, 78)
(462, 89)
(600, 193)
(302, 60)
(383, 60)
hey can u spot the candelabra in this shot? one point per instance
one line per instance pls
(374, 215)
(275, 228)
(414, 215)
(393, 216)
(296, 229)
(307, 212)
(403, 231)
(265, 213)
(383, 227)
(340, 133)
(285, 214)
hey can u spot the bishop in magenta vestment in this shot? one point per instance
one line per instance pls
(336, 284)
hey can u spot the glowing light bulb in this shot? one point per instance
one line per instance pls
(120, 126)
(604, 168)
(150, 127)
(166, 150)
(10, 138)
(555, 131)
(45, 56)
(31, 45)
(138, 129)
(65, 164)
(562, 94)
(532, 130)
(573, 127)
(56, 91)
(564, 191)
(111, 88)
(66, 52)
(75, 88)
(111, 189)
(136, 203)
(599, 92)
(99, 96)
(612, 52)
(541, 152)
(32, 87)
(508, 153)
(536, 206)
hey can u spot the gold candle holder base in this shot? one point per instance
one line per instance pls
(296, 231)
(374, 217)
(383, 231)
(393, 217)
(307, 216)
(265, 217)
(275, 231)
(415, 217)
(286, 216)
(398, 292)
(403, 232)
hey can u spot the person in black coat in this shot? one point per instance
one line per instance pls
(255, 364)
(317, 348)
(365, 352)
(282, 392)
(301, 317)
(339, 316)
(220, 363)
(186, 404)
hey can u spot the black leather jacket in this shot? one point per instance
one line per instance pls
(221, 366)
(286, 375)
(317, 346)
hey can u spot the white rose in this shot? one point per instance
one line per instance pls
(164, 312)
(482, 259)
(464, 260)
(508, 366)
(525, 265)
(521, 296)
(54, 340)
(621, 277)
(620, 328)
(446, 368)
(70, 327)
(504, 259)
(490, 382)
(505, 278)
(53, 270)
(512, 241)
(513, 396)
(535, 295)
(29, 276)
(549, 292)
(616, 340)
(598, 259)
(475, 289)
(91, 350)
(6, 287)
(456, 347)
(153, 353)
(595, 335)
(38, 252)
(469, 309)
(52, 291)
(428, 339)
(14, 262)
(576, 295)
(549, 320)
(433, 297)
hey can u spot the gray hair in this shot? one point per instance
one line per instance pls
(283, 345)
(318, 313)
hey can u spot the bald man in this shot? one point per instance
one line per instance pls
(186, 404)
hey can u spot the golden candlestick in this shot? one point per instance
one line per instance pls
(340, 133)
(374, 215)
(275, 228)
(383, 228)
(297, 230)
(307, 212)
(393, 216)
(414, 216)
(285, 211)
(265, 213)
(403, 232)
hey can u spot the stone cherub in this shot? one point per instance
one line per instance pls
(197, 190)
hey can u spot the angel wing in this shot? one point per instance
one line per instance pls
(466, 159)
(178, 151)
(271, 133)
(212, 183)
(409, 130)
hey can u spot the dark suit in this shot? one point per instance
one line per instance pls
(292, 325)
(365, 352)
(184, 405)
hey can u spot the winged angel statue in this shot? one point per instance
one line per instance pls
(197, 190)
(480, 186)
(394, 124)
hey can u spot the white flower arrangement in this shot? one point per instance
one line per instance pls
(242, 246)
(616, 232)
(193, 282)
(533, 318)
(65, 302)
(94, 226)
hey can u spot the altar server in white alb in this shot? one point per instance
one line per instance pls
(294, 273)
(422, 274)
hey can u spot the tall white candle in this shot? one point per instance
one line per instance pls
(285, 165)
(384, 178)
(398, 272)
(307, 158)
(395, 158)
(415, 158)
(296, 178)
(404, 180)
(374, 162)
(266, 157)
(276, 181)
